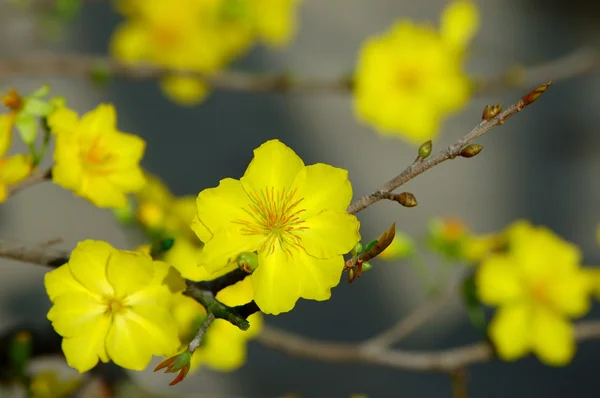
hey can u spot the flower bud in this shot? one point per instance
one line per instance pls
(366, 266)
(535, 94)
(247, 261)
(491, 111)
(425, 149)
(357, 249)
(13, 100)
(471, 150)
(407, 199)
(179, 363)
(351, 275)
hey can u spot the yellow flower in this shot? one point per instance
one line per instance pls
(224, 345)
(293, 215)
(93, 158)
(114, 305)
(13, 169)
(275, 20)
(459, 23)
(46, 384)
(410, 78)
(538, 285)
(7, 122)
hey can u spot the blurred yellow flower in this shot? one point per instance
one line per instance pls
(198, 36)
(410, 78)
(111, 304)
(13, 169)
(93, 158)
(294, 216)
(46, 384)
(539, 286)
(223, 347)
(401, 247)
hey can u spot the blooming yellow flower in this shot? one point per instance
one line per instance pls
(224, 345)
(93, 158)
(410, 78)
(538, 285)
(13, 169)
(293, 215)
(114, 305)
(275, 20)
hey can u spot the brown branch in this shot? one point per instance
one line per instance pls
(56, 64)
(419, 166)
(33, 179)
(419, 361)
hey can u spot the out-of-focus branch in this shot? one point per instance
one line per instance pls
(48, 64)
(421, 165)
(420, 361)
(86, 66)
(34, 179)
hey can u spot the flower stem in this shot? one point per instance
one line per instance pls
(195, 343)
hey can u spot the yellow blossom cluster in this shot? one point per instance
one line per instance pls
(410, 78)
(201, 36)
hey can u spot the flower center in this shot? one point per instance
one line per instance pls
(96, 156)
(409, 78)
(114, 306)
(276, 215)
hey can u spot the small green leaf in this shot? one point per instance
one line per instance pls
(160, 247)
(67, 9)
(100, 74)
(370, 245)
(40, 92)
(28, 128)
(20, 352)
(36, 107)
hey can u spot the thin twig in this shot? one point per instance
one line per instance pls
(405, 326)
(451, 152)
(195, 343)
(419, 361)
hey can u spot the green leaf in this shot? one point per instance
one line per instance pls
(40, 92)
(100, 74)
(67, 9)
(36, 107)
(19, 352)
(27, 127)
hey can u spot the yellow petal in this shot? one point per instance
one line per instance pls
(569, 292)
(224, 248)
(60, 281)
(130, 180)
(101, 192)
(129, 43)
(3, 192)
(319, 275)
(101, 120)
(201, 230)
(82, 352)
(77, 313)
(187, 91)
(7, 122)
(219, 207)
(459, 23)
(330, 234)
(277, 282)
(88, 266)
(185, 257)
(14, 169)
(553, 338)
(237, 294)
(323, 187)
(510, 331)
(498, 281)
(143, 331)
(274, 166)
(128, 272)
(128, 148)
(218, 352)
(63, 120)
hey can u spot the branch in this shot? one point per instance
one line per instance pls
(30, 181)
(47, 64)
(421, 165)
(56, 64)
(419, 361)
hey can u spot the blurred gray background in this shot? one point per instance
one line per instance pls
(542, 165)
